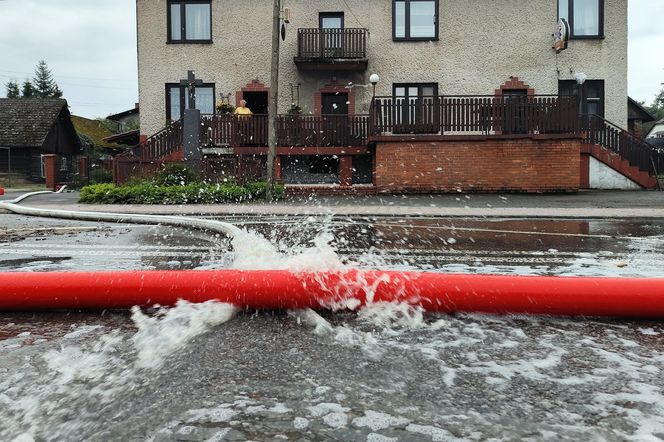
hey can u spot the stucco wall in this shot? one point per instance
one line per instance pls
(602, 176)
(482, 43)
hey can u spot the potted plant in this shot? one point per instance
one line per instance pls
(225, 108)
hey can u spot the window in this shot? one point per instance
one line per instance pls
(585, 17)
(176, 100)
(415, 20)
(593, 94)
(190, 21)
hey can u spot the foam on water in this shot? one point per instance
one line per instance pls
(89, 374)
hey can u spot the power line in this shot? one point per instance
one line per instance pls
(66, 76)
(65, 83)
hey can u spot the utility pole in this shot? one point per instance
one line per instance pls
(274, 89)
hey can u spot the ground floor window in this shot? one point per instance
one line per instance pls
(310, 169)
(176, 100)
(362, 169)
(592, 93)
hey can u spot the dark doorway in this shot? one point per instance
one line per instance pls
(256, 101)
(334, 107)
(335, 103)
(515, 121)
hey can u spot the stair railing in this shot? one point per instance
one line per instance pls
(639, 153)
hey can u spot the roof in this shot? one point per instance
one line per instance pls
(25, 122)
(94, 130)
(129, 138)
(120, 115)
(636, 111)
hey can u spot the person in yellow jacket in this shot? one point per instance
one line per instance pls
(242, 109)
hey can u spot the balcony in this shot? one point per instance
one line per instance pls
(332, 49)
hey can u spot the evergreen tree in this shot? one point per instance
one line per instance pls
(27, 91)
(12, 90)
(44, 84)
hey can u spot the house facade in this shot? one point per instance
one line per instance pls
(418, 48)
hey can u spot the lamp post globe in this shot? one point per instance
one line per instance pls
(374, 79)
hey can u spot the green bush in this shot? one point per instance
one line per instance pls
(175, 174)
(194, 193)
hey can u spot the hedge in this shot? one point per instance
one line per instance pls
(195, 193)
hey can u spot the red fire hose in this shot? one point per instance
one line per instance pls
(270, 289)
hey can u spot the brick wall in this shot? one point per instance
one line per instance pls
(530, 164)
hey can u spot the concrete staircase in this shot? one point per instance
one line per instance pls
(618, 149)
(620, 165)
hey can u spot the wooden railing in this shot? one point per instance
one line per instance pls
(639, 153)
(233, 130)
(292, 130)
(166, 141)
(485, 115)
(318, 43)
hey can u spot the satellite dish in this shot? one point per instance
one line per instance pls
(283, 32)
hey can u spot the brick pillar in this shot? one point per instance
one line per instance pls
(277, 170)
(51, 170)
(83, 167)
(346, 170)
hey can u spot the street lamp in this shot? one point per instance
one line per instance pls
(374, 79)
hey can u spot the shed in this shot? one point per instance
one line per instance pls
(32, 127)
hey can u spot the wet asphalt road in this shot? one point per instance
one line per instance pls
(385, 373)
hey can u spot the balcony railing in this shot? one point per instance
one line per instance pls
(292, 130)
(330, 44)
(481, 115)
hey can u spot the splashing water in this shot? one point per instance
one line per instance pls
(96, 373)
(387, 371)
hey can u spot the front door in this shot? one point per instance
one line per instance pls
(416, 108)
(515, 111)
(253, 131)
(256, 101)
(334, 107)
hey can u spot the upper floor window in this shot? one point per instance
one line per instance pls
(190, 21)
(177, 100)
(415, 19)
(585, 17)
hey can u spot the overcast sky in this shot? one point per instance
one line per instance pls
(90, 46)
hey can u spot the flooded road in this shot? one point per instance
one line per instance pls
(388, 372)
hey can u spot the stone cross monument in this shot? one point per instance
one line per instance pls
(191, 123)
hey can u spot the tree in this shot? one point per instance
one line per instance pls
(12, 90)
(27, 91)
(656, 109)
(44, 84)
